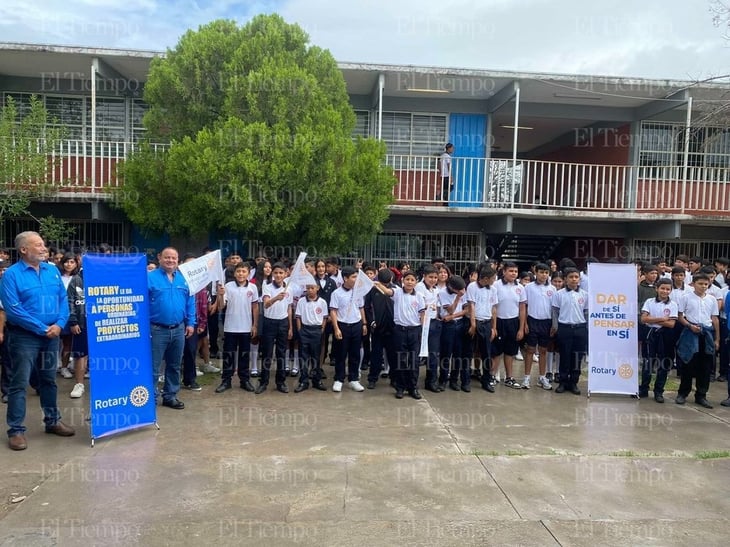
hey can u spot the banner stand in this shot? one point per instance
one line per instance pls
(613, 364)
(121, 385)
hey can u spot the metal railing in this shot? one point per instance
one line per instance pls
(476, 182)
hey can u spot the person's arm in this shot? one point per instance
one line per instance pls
(716, 326)
(14, 310)
(494, 322)
(335, 326)
(383, 289)
(290, 322)
(254, 317)
(523, 321)
(2, 325)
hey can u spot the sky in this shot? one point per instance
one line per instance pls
(673, 39)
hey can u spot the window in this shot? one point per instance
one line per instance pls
(362, 124)
(66, 113)
(662, 145)
(412, 134)
(139, 109)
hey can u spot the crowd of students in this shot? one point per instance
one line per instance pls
(458, 328)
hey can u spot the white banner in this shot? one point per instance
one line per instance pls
(613, 363)
(299, 277)
(201, 271)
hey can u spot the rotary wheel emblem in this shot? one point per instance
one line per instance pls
(139, 396)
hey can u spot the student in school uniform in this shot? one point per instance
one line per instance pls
(240, 300)
(553, 357)
(569, 324)
(538, 296)
(277, 329)
(445, 165)
(311, 316)
(483, 300)
(511, 322)
(715, 291)
(659, 314)
(700, 339)
(379, 316)
(408, 313)
(428, 288)
(453, 309)
(349, 324)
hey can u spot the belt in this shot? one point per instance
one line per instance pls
(572, 325)
(484, 320)
(410, 327)
(168, 327)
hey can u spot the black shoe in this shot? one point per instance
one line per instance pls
(442, 386)
(465, 389)
(398, 393)
(643, 394)
(415, 394)
(680, 400)
(281, 388)
(5, 399)
(174, 403)
(659, 398)
(223, 387)
(384, 375)
(726, 402)
(712, 377)
(454, 386)
(549, 376)
(488, 387)
(248, 386)
(300, 388)
(560, 388)
(364, 366)
(320, 386)
(722, 378)
(431, 386)
(260, 389)
(703, 403)
(371, 384)
(574, 390)
(192, 387)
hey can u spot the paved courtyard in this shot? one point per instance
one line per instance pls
(510, 468)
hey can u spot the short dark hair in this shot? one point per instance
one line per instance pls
(385, 276)
(347, 271)
(700, 276)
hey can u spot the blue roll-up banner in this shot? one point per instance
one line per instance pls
(122, 396)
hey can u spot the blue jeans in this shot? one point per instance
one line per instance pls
(29, 351)
(168, 344)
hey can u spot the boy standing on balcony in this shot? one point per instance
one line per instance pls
(446, 184)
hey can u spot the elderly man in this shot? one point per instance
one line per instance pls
(36, 308)
(172, 314)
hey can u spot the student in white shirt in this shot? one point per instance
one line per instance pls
(569, 311)
(660, 315)
(277, 329)
(347, 316)
(311, 317)
(538, 304)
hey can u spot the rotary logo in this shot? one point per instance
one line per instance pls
(625, 371)
(139, 396)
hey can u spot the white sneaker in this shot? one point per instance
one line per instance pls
(337, 387)
(294, 372)
(545, 383)
(526, 383)
(86, 375)
(519, 356)
(199, 373)
(77, 391)
(210, 368)
(160, 378)
(356, 386)
(535, 358)
(66, 373)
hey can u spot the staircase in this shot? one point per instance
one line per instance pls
(524, 249)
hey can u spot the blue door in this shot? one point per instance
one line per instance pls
(468, 133)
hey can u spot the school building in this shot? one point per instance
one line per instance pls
(544, 164)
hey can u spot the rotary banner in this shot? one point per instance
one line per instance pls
(122, 396)
(613, 365)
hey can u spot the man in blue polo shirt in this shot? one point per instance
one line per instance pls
(172, 314)
(36, 308)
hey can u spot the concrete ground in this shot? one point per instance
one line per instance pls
(510, 468)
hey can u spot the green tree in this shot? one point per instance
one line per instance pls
(261, 142)
(26, 143)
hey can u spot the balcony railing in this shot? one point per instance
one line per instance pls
(83, 166)
(534, 184)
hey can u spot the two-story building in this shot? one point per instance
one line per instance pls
(543, 164)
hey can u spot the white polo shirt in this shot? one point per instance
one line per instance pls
(280, 308)
(347, 306)
(509, 297)
(572, 305)
(654, 308)
(446, 299)
(539, 300)
(311, 312)
(239, 299)
(407, 307)
(430, 296)
(483, 299)
(699, 311)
